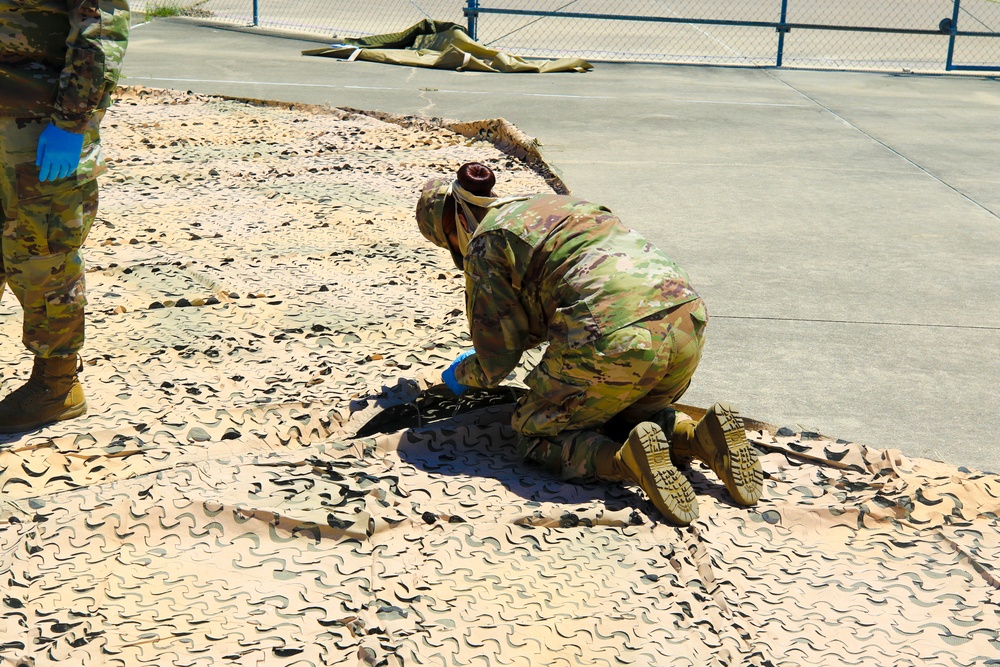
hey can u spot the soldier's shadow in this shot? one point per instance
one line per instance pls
(472, 436)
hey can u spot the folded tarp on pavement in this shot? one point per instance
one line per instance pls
(441, 45)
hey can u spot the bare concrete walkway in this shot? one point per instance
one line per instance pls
(843, 227)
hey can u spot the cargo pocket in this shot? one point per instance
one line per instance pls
(32, 212)
(54, 217)
(573, 326)
(549, 407)
(54, 302)
(29, 187)
(48, 282)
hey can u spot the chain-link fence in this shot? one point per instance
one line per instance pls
(326, 18)
(920, 35)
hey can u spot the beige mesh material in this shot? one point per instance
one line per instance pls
(257, 291)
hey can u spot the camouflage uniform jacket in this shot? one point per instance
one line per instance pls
(60, 59)
(559, 269)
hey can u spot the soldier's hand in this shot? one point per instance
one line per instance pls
(448, 376)
(58, 153)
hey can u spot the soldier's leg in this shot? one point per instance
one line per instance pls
(682, 332)
(3, 272)
(46, 226)
(12, 150)
(570, 455)
(44, 266)
(573, 392)
(719, 439)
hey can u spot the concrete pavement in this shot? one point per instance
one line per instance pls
(843, 227)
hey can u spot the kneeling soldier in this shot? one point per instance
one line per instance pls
(624, 328)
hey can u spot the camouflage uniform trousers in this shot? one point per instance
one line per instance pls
(627, 375)
(44, 226)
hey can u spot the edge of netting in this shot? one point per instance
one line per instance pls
(501, 133)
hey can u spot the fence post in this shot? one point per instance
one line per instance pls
(256, 13)
(952, 29)
(473, 16)
(782, 29)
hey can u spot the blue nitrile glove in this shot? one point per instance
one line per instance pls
(58, 153)
(449, 374)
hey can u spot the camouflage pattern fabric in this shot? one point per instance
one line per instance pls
(558, 269)
(629, 374)
(60, 64)
(61, 58)
(430, 214)
(213, 509)
(44, 226)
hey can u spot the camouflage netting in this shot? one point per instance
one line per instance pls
(258, 291)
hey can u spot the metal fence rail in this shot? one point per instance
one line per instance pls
(842, 34)
(918, 35)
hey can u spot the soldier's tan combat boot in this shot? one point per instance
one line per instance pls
(720, 440)
(644, 460)
(52, 393)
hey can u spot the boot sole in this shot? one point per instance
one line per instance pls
(671, 492)
(740, 471)
(71, 412)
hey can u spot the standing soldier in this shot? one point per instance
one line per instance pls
(59, 64)
(624, 331)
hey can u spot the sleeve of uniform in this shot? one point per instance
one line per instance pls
(95, 47)
(497, 320)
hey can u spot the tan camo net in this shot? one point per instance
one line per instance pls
(258, 290)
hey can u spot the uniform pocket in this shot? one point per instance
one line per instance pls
(548, 408)
(573, 326)
(50, 218)
(29, 187)
(91, 166)
(548, 379)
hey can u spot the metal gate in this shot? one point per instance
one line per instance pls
(967, 39)
(841, 34)
(887, 35)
